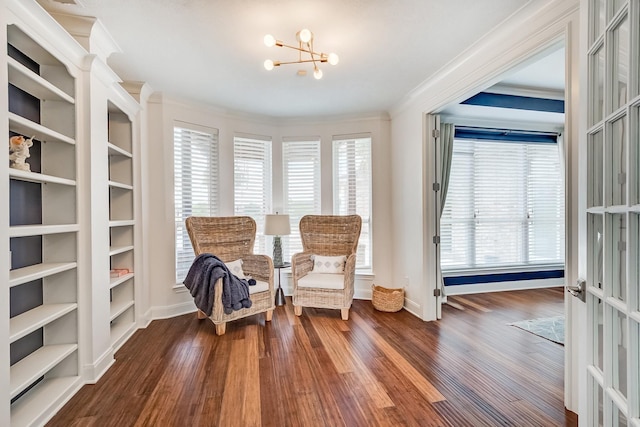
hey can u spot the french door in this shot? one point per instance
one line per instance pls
(613, 213)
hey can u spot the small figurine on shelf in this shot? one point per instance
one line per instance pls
(19, 152)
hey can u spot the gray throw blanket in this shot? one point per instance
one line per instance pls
(201, 278)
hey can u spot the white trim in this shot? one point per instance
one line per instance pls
(502, 123)
(304, 138)
(504, 89)
(515, 285)
(256, 137)
(169, 311)
(412, 307)
(350, 136)
(91, 373)
(501, 270)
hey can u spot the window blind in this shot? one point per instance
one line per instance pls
(252, 182)
(301, 179)
(504, 207)
(352, 189)
(195, 166)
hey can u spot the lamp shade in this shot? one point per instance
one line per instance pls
(276, 225)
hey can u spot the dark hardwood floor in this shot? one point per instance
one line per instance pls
(385, 369)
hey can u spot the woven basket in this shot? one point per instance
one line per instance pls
(387, 299)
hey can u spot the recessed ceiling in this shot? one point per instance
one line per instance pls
(543, 73)
(212, 51)
(542, 76)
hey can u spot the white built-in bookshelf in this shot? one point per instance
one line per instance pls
(43, 231)
(121, 225)
(70, 219)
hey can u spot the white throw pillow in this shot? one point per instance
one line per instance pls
(235, 267)
(328, 264)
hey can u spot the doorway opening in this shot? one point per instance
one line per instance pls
(502, 218)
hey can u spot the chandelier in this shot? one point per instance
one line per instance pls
(305, 53)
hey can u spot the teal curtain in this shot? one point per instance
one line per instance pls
(447, 131)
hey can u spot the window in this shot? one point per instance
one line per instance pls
(252, 182)
(504, 206)
(352, 188)
(195, 172)
(301, 176)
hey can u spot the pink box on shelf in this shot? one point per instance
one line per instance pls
(119, 272)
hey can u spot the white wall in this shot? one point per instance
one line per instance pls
(167, 299)
(408, 200)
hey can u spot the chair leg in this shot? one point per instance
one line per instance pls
(268, 315)
(297, 309)
(221, 328)
(345, 313)
(201, 315)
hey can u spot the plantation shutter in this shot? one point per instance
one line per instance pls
(301, 176)
(195, 161)
(352, 188)
(252, 182)
(505, 205)
(545, 195)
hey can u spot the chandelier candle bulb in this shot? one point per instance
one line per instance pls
(305, 36)
(269, 40)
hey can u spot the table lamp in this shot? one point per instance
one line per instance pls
(277, 225)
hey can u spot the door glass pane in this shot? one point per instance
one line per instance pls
(597, 84)
(599, 335)
(620, 352)
(596, 320)
(596, 403)
(618, 418)
(595, 169)
(635, 327)
(634, 267)
(598, 19)
(617, 162)
(621, 64)
(635, 162)
(599, 407)
(595, 252)
(618, 250)
(635, 342)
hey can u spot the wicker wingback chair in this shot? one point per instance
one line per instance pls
(230, 239)
(330, 236)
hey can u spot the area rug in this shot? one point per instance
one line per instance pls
(551, 328)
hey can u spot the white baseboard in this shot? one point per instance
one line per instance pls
(145, 319)
(167, 312)
(413, 307)
(503, 286)
(363, 294)
(57, 403)
(92, 373)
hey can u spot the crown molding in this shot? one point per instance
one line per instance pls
(90, 33)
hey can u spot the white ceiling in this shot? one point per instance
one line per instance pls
(211, 51)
